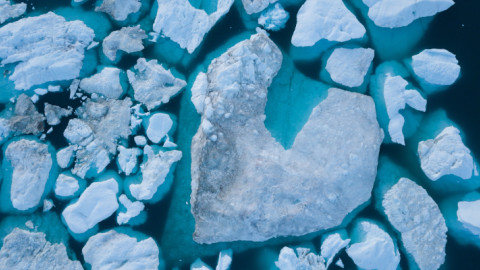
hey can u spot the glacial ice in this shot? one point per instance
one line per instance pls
(127, 39)
(119, 9)
(30, 250)
(132, 209)
(446, 155)
(27, 166)
(417, 218)
(325, 19)
(184, 24)
(11, 11)
(349, 66)
(153, 85)
(274, 18)
(110, 82)
(332, 244)
(67, 186)
(231, 97)
(303, 259)
(117, 250)
(393, 13)
(372, 247)
(159, 125)
(47, 48)
(127, 159)
(434, 69)
(256, 6)
(97, 202)
(54, 114)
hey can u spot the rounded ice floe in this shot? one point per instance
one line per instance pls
(332, 244)
(132, 209)
(372, 248)
(348, 66)
(97, 202)
(127, 39)
(159, 125)
(109, 82)
(435, 68)
(67, 186)
(446, 155)
(116, 250)
(325, 19)
(22, 249)
(394, 13)
(27, 167)
(11, 11)
(127, 159)
(47, 47)
(119, 9)
(417, 218)
(274, 18)
(301, 259)
(152, 84)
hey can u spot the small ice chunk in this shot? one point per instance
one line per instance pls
(348, 67)
(78, 132)
(467, 214)
(255, 6)
(224, 260)
(74, 87)
(65, 156)
(40, 91)
(47, 205)
(119, 9)
(66, 186)
(288, 260)
(339, 263)
(152, 84)
(115, 250)
(31, 163)
(373, 248)
(274, 18)
(97, 202)
(140, 140)
(199, 265)
(133, 209)
(127, 39)
(394, 13)
(9, 11)
(54, 88)
(54, 113)
(325, 19)
(159, 125)
(436, 66)
(416, 216)
(107, 82)
(396, 96)
(127, 159)
(331, 245)
(446, 155)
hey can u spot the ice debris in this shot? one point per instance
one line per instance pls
(54, 114)
(9, 11)
(288, 259)
(119, 9)
(332, 244)
(132, 209)
(26, 119)
(109, 82)
(127, 159)
(127, 39)
(274, 18)
(47, 48)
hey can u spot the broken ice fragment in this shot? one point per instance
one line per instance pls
(132, 209)
(468, 215)
(47, 205)
(159, 125)
(54, 113)
(302, 259)
(67, 186)
(332, 244)
(127, 159)
(127, 39)
(27, 120)
(224, 260)
(65, 156)
(349, 66)
(119, 9)
(255, 6)
(274, 18)
(110, 82)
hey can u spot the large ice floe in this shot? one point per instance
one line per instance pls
(325, 19)
(418, 220)
(184, 24)
(235, 159)
(46, 48)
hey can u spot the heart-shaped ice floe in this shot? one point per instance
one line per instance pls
(245, 185)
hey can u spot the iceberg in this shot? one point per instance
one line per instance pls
(184, 24)
(288, 259)
(274, 18)
(47, 48)
(27, 169)
(152, 84)
(119, 10)
(110, 82)
(54, 114)
(97, 202)
(127, 39)
(132, 210)
(325, 20)
(231, 97)
(159, 125)
(117, 250)
(372, 247)
(418, 220)
(393, 13)
(23, 249)
(9, 11)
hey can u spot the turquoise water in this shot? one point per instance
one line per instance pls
(291, 97)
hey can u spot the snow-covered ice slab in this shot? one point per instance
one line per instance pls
(47, 48)
(127, 39)
(325, 19)
(30, 250)
(97, 202)
(117, 250)
(349, 66)
(372, 247)
(335, 153)
(119, 9)
(288, 259)
(110, 82)
(274, 18)
(27, 164)
(446, 155)
(394, 13)
(417, 218)
(186, 25)
(9, 11)
(153, 85)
